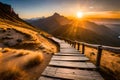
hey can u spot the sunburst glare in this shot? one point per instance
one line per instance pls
(80, 14)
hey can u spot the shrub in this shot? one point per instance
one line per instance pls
(36, 60)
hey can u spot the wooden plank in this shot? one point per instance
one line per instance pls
(68, 49)
(68, 54)
(79, 65)
(45, 78)
(70, 58)
(57, 73)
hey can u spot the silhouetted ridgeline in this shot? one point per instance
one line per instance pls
(7, 10)
(8, 16)
(105, 57)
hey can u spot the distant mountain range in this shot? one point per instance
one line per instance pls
(85, 31)
(113, 24)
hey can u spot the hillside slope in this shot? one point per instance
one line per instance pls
(24, 50)
(80, 30)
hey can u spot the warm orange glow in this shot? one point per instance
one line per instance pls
(103, 14)
(80, 14)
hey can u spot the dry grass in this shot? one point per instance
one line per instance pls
(28, 46)
(4, 50)
(27, 39)
(34, 61)
(15, 68)
(110, 58)
(21, 54)
(27, 54)
(12, 74)
(0, 54)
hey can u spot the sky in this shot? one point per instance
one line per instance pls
(40, 8)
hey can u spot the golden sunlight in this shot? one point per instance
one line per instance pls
(79, 14)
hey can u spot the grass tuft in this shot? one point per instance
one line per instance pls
(34, 61)
(11, 74)
(5, 50)
(21, 54)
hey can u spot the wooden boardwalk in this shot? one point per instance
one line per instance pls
(69, 64)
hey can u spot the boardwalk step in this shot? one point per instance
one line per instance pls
(76, 65)
(55, 73)
(47, 78)
(68, 49)
(70, 58)
(67, 54)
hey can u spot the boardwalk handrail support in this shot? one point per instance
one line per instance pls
(98, 58)
(83, 48)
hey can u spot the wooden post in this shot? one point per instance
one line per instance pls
(74, 44)
(83, 48)
(70, 43)
(98, 59)
(65, 41)
(78, 47)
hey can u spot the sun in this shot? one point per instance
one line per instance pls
(80, 14)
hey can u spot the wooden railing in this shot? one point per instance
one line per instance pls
(101, 52)
(77, 45)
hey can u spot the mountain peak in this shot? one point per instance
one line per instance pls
(56, 14)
